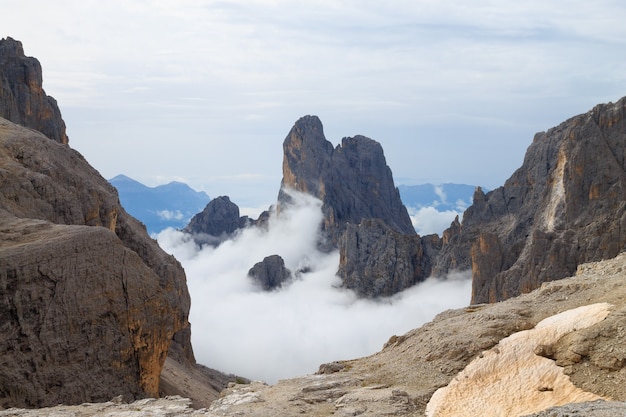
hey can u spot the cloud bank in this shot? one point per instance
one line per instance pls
(237, 328)
(428, 220)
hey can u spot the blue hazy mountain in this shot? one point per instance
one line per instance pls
(168, 205)
(442, 197)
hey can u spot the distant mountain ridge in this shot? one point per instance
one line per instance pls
(160, 207)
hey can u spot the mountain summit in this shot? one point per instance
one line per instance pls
(352, 180)
(380, 253)
(22, 98)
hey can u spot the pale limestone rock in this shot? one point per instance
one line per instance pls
(511, 380)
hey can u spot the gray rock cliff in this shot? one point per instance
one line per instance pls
(564, 206)
(22, 98)
(377, 261)
(352, 180)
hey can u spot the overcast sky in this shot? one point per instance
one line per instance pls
(205, 91)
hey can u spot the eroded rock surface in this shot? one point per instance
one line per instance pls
(91, 304)
(363, 215)
(22, 98)
(511, 379)
(565, 206)
(352, 180)
(377, 261)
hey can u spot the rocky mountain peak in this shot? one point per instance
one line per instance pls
(217, 222)
(564, 206)
(352, 180)
(22, 98)
(361, 208)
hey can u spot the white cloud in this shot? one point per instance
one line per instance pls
(271, 335)
(440, 193)
(428, 220)
(170, 215)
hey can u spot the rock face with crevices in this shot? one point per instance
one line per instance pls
(91, 305)
(352, 180)
(22, 98)
(364, 218)
(375, 261)
(565, 206)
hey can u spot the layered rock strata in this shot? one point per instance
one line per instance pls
(91, 304)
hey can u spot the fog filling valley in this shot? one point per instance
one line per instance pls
(238, 328)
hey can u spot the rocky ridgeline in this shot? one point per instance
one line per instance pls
(352, 180)
(565, 206)
(22, 98)
(363, 216)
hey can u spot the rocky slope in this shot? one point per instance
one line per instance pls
(91, 307)
(91, 304)
(545, 353)
(22, 98)
(563, 207)
(569, 345)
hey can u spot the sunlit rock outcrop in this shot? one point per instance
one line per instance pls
(510, 379)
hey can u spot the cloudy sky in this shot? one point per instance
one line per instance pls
(205, 91)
